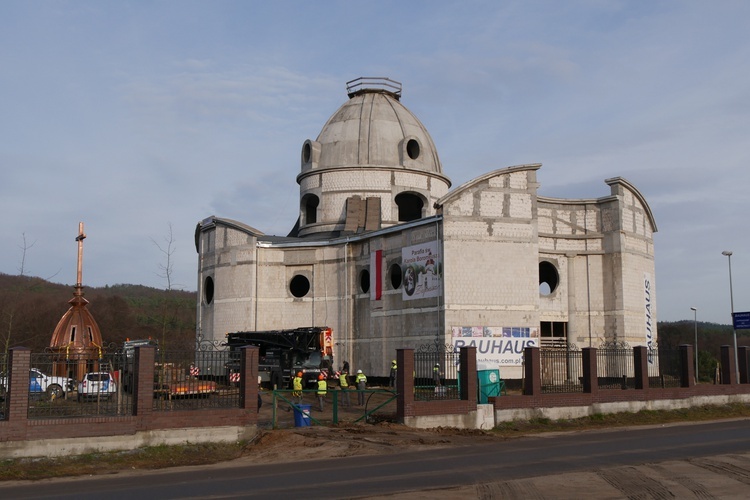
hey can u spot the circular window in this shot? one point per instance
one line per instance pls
(299, 286)
(306, 153)
(364, 281)
(412, 149)
(208, 290)
(395, 275)
(548, 278)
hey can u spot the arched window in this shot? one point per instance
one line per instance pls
(409, 207)
(310, 206)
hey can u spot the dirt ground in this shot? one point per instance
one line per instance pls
(347, 440)
(350, 437)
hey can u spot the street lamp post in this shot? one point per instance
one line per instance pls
(728, 254)
(695, 347)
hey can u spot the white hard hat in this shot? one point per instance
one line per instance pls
(359, 371)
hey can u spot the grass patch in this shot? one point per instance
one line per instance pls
(644, 417)
(153, 457)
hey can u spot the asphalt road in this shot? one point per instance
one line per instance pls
(710, 460)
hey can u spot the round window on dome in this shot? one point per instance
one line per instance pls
(412, 149)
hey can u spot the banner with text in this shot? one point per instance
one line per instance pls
(496, 346)
(423, 269)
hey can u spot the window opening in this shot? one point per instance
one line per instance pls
(548, 278)
(409, 207)
(299, 286)
(364, 281)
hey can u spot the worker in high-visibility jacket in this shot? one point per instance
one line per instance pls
(322, 390)
(297, 388)
(344, 386)
(361, 381)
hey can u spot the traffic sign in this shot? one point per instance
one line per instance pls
(741, 320)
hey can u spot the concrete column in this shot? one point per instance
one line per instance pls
(404, 381)
(532, 366)
(249, 378)
(743, 366)
(17, 390)
(590, 371)
(728, 374)
(143, 381)
(687, 366)
(468, 374)
(640, 363)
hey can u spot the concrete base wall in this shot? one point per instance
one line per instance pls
(73, 446)
(568, 412)
(482, 418)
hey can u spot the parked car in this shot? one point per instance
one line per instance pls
(97, 384)
(55, 387)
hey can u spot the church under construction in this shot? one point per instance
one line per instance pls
(389, 256)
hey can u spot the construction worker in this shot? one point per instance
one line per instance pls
(297, 388)
(394, 372)
(344, 386)
(322, 390)
(436, 374)
(361, 381)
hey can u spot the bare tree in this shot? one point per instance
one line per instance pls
(24, 248)
(169, 303)
(166, 268)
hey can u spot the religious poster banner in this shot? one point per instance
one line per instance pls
(497, 346)
(423, 268)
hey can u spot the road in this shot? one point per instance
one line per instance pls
(710, 460)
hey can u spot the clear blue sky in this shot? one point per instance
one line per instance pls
(131, 116)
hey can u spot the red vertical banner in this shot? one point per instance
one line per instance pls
(376, 275)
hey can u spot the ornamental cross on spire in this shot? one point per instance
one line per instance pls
(81, 236)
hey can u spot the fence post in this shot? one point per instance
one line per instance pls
(687, 369)
(590, 371)
(17, 390)
(468, 374)
(249, 378)
(404, 382)
(143, 381)
(640, 366)
(744, 368)
(728, 374)
(532, 371)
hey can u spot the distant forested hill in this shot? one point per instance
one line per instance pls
(31, 307)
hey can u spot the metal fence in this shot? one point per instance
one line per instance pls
(63, 385)
(181, 384)
(436, 373)
(615, 368)
(664, 368)
(67, 385)
(562, 370)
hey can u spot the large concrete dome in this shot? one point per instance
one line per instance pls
(373, 160)
(373, 128)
